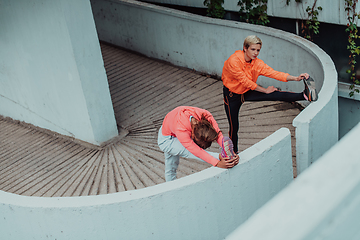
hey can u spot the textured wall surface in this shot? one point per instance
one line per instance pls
(206, 205)
(203, 44)
(52, 73)
(333, 10)
(322, 203)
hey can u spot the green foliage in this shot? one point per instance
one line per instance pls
(312, 26)
(215, 8)
(354, 50)
(253, 11)
(312, 22)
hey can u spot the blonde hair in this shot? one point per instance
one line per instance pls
(252, 39)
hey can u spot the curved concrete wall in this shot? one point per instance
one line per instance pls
(322, 203)
(349, 114)
(317, 126)
(51, 70)
(209, 204)
(204, 44)
(206, 205)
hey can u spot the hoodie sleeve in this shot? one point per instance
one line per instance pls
(271, 73)
(235, 69)
(192, 147)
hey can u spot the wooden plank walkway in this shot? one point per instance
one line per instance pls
(36, 162)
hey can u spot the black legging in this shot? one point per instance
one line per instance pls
(233, 102)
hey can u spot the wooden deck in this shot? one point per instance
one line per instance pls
(35, 162)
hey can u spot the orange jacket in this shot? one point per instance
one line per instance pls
(240, 76)
(177, 123)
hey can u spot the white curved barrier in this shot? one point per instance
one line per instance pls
(322, 203)
(209, 204)
(204, 44)
(206, 205)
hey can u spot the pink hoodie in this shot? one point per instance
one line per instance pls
(177, 123)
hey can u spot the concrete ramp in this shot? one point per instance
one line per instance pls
(36, 162)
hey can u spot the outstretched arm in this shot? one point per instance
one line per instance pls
(271, 89)
(298, 78)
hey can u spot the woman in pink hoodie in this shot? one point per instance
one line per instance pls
(186, 132)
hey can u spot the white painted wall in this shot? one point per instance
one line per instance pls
(206, 205)
(203, 44)
(349, 114)
(333, 10)
(322, 203)
(51, 69)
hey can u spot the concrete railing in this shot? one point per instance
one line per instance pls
(322, 203)
(203, 44)
(209, 204)
(206, 205)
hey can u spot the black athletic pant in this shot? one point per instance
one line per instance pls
(233, 102)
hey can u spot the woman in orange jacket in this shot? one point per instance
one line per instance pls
(239, 76)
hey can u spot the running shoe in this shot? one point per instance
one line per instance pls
(227, 148)
(310, 90)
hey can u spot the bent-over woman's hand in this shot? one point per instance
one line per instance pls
(227, 162)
